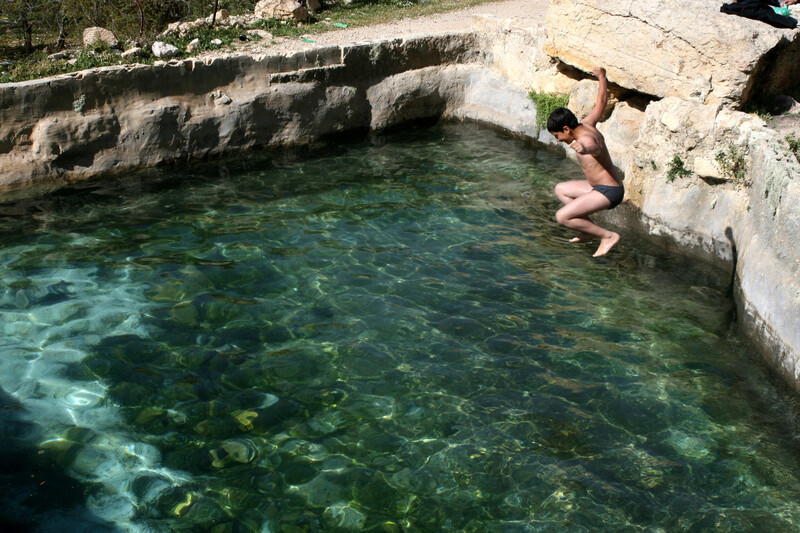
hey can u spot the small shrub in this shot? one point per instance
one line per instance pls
(733, 164)
(546, 103)
(677, 169)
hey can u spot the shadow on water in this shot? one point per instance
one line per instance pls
(36, 495)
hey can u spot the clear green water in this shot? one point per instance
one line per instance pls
(387, 335)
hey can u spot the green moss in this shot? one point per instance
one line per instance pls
(546, 103)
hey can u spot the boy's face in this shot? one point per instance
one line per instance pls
(564, 136)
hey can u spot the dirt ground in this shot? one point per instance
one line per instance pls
(527, 12)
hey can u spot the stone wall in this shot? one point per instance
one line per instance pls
(113, 119)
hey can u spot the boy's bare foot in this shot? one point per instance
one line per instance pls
(582, 237)
(606, 243)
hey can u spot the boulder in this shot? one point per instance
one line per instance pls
(688, 49)
(95, 35)
(281, 9)
(164, 50)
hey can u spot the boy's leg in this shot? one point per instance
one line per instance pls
(567, 191)
(575, 215)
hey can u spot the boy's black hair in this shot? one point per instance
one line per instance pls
(561, 117)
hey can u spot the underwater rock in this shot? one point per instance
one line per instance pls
(343, 516)
(233, 451)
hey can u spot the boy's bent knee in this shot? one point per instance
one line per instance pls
(561, 217)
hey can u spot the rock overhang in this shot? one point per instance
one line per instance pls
(689, 50)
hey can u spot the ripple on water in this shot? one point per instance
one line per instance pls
(378, 337)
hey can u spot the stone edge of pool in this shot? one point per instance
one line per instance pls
(115, 119)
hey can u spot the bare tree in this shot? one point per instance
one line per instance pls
(214, 15)
(24, 14)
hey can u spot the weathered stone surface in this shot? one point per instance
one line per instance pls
(583, 96)
(515, 53)
(621, 130)
(489, 98)
(687, 49)
(281, 9)
(693, 132)
(96, 34)
(164, 50)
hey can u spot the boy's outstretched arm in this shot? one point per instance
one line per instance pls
(602, 98)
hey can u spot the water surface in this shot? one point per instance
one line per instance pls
(383, 335)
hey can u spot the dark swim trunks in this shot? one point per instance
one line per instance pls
(613, 193)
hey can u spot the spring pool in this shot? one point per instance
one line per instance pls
(389, 334)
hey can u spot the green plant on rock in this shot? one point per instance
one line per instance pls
(546, 103)
(677, 169)
(794, 145)
(733, 164)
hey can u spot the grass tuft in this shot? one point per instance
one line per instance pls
(546, 103)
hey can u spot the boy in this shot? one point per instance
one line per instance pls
(602, 188)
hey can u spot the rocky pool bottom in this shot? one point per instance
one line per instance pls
(388, 334)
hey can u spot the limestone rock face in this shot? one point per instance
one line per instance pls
(620, 131)
(686, 49)
(583, 96)
(96, 34)
(695, 133)
(281, 9)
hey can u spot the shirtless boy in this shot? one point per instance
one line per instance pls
(602, 188)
